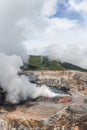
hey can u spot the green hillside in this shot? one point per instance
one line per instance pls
(43, 63)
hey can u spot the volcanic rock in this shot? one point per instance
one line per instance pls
(85, 101)
(44, 116)
(2, 95)
(64, 80)
(64, 100)
(44, 113)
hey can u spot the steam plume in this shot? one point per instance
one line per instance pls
(18, 87)
(14, 18)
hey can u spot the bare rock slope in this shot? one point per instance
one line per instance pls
(74, 80)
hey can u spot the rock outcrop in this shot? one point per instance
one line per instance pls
(67, 80)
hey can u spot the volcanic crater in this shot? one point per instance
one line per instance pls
(48, 113)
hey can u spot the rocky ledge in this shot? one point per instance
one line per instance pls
(65, 80)
(65, 113)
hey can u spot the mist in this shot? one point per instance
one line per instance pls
(71, 53)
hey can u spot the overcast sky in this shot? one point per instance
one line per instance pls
(57, 26)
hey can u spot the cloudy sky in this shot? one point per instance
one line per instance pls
(60, 22)
(62, 27)
(56, 27)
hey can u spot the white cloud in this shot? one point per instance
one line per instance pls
(18, 17)
(75, 54)
(64, 23)
(33, 22)
(81, 6)
(50, 7)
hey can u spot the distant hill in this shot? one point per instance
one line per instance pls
(69, 66)
(43, 63)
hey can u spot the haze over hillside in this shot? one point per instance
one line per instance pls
(43, 63)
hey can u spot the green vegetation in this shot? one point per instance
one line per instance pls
(43, 63)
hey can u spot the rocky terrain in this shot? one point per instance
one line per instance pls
(64, 113)
(67, 80)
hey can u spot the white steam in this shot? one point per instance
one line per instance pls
(45, 91)
(18, 87)
(17, 18)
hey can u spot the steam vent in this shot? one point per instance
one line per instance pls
(65, 112)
